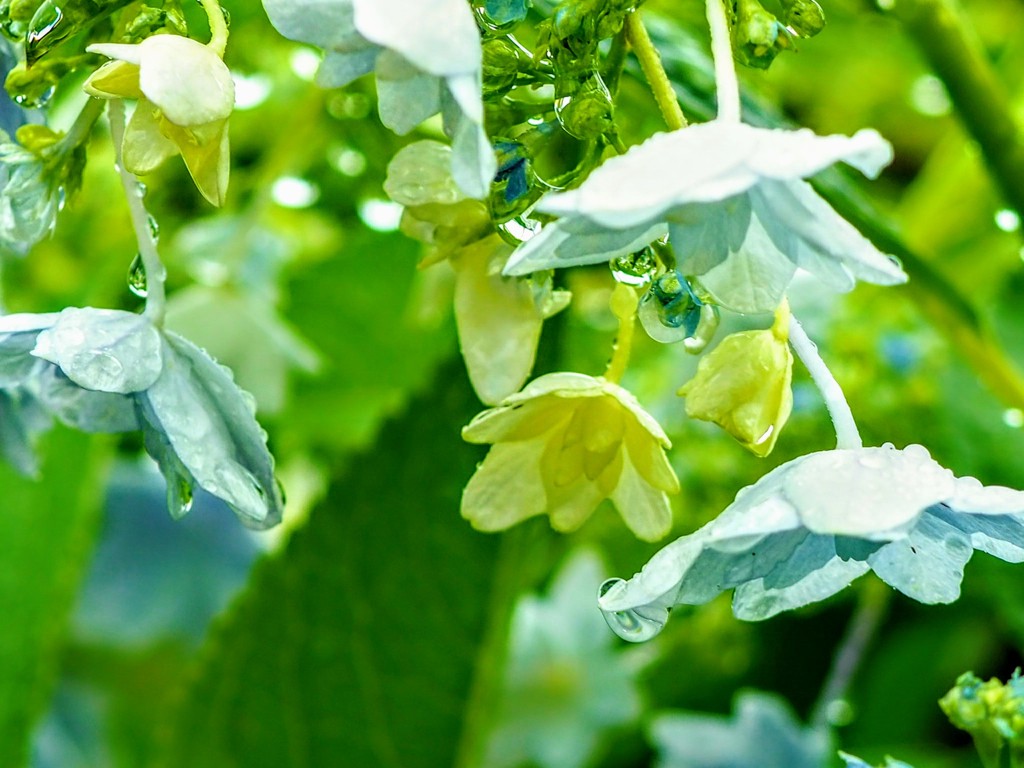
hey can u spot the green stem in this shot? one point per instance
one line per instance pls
(218, 27)
(946, 39)
(155, 272)
(654, 71)
(623, 304)
(872, 603)
(615, 61)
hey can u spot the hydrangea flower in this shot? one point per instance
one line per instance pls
(810, 527)
(185, 96)
(498, 318)
(561, 446)
(427, 57)
(566, 680)
(764, 731)
(732, 199)
(105, 370)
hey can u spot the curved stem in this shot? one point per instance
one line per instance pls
(871, 605)
(155, 272)
(624, 302)
(948, 42)
(218, 27)
(725, 67)
(847, 435)
(654, 71)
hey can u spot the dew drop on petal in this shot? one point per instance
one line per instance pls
(137, 277)
(635, 269)
(635, 625)
(518, 230)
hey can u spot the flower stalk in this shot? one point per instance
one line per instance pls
(726, 85)
(218, 27)
(624, 303)
(654, 71)
(847, 435)
(156, 274)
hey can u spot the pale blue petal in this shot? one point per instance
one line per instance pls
(84, 409)
(576, 241)
(1001, 536)
(703, 235)
(754, 602)
(928, 564)
(824, 236)
(405, 96)
(473, 160)
(340, 68)
(323, 23)
(104, 350)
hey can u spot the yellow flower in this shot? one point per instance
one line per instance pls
(185, 96)
(561, 446)
(743, 385)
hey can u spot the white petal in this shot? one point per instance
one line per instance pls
(439, 37)
(702, 163)
(119, 51)
(507, 487)
(977, 499)
(784, 154)
(575, 241)
(704, 234)
(185, 79)
(873, 493)
(473, 160)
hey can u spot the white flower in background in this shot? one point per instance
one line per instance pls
(185, 96)
(566, 680)
(563, 445)
(29, 201)
(427, 57)
(810, 527)
(732, 199)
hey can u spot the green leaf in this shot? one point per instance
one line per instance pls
(46, 530)
(357, 644)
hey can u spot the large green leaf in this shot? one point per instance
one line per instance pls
(356, 646)
(46, 531)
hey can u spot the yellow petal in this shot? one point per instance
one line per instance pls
(570, 507)
(506, 488)
(145, 147)
(206, 154)
(645, 509)
(520, 421)
(497, 321)
(647, 455)
(114, 80)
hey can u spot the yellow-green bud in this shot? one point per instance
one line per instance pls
(501, 65)
(744, 386)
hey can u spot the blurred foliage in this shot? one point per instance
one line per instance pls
(304, 285)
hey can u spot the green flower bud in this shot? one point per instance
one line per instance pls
(588, 113)
(805, 17)
(757, 35)
(500, 66)
(744, 385)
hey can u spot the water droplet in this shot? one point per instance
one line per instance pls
(586, 113)
(137, 277)
(141, 189)
(670, 311)
(706, 328)
(154, 227)
(635, 624)
(62, 198)
(518, 230)
(179, 497)
(488, 24)
(636, 269)
(46, 29)
(101, 369)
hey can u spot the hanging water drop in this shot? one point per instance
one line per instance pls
(46, 29)
(670, 311)
(518, 230)
(586, 113)
(137, 277)
(62, 198)
(140, 188)
(179, 496)
(154, 227)
(34, 99)
(635, 625)
(635, 269)
(707, 325)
